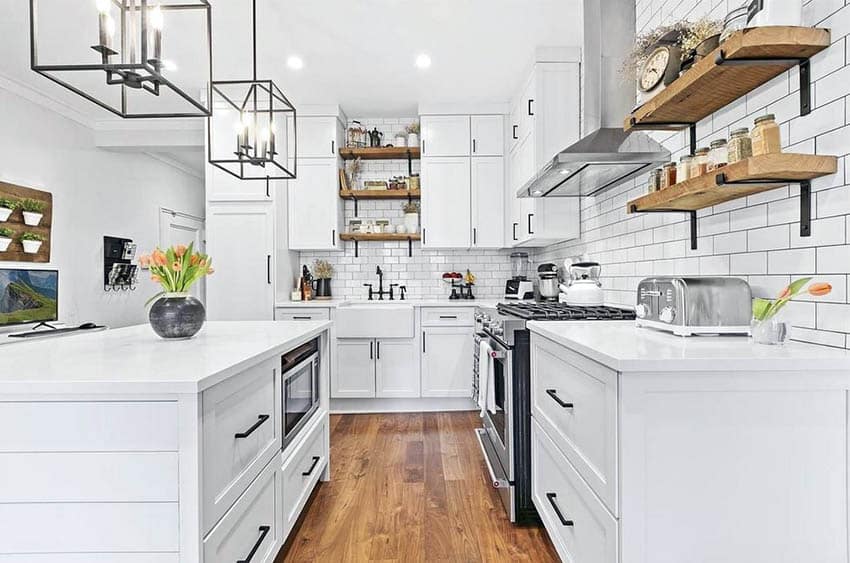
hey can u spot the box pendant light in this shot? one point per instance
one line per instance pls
(251, 134)
(135, 58)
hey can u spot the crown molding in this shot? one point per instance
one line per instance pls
(47, 101)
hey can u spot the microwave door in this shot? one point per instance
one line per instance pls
(300, 395)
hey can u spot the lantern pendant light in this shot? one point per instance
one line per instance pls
(251, 134)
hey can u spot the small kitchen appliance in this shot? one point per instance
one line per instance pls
(519, 287)
(547, 283)
(584, 288)
(691, 306)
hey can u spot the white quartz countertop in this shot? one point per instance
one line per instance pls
(332, 303)
(623, 347)
(134, 360)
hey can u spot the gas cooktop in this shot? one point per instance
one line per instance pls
(562, 312)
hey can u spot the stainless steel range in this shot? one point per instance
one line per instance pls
(505, 437)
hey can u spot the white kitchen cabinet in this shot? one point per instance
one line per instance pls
(240, 237)
(396, 368)
(446, 360)
(445, 135)
(355, 373)
(488, 135)
(221, 186)
(315, 211)
(488, 202)
(318, 136)
(446, 202)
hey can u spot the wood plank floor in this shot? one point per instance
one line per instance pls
(410, 487)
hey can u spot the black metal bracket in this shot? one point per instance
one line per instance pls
(802, 63)
(805, 195)
(356, 205)
(409, 248)
(670, 126)
(357, 249)
(692, 214)
(409, 163)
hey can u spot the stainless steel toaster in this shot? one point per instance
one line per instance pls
(688, 306)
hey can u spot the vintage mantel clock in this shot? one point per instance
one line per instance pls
(659, 70)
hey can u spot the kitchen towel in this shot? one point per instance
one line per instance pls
(486, 385)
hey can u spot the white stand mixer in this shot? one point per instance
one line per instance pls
(584, 288)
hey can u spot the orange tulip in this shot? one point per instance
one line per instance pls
(156, 278)
(785, 294)
(144, 260)
(158, 258)
(180, 250)
(211, 271)
(819, 289)
(194, 259)
(176, 266)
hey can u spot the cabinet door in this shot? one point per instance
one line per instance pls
(240, 238)
(314, 205)
(396, 368)
(355, 373)
(446, 202)
(488, 202)
(317, 137)
(488, 135)
(447, 361)
(445, 135)
(554, 109)
(221, 186)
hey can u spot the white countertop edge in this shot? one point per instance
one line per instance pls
(334, 303)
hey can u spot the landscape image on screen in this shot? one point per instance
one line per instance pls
(28, 296)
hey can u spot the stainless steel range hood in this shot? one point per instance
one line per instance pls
(603, 159)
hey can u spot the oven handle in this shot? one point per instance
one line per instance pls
(497, 483)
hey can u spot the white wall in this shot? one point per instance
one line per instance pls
(95, 193)
(756, 238)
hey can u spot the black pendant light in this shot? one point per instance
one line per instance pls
(251, 134)
(151, 58)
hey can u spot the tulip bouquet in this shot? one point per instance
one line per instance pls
(764, 309)
(176, 268)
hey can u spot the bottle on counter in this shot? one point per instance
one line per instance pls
(683, 171)
(740, 145)
(765, 136)
(718, 156)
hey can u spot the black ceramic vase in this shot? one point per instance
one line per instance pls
(177, 315)
(322, 288)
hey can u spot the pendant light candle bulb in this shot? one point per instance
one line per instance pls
(156, 19)
(156, 22)
(105, 25)
(103, 6)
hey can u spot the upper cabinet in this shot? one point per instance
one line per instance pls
(488, 202)
(318, 137)
(446, 202)
(222, 187)
(445, 135)
(488, 135)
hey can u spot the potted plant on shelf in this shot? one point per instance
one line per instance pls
(5, 238)
(33, 211)
(175, 313)
(411, 217)
(413, 134)
(765, 328)
(31, 242)
(6, 207)
(323, 271)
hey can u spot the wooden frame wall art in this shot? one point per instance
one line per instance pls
(17, 224)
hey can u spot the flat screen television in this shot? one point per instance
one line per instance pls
(28, 296)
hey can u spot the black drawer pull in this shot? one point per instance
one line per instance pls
(264, 531)
(551, 498)
(260, 420)
(554, 394)
(448, 317)
(301, 318)
(312, 467)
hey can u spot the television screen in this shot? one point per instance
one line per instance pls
(28, 296)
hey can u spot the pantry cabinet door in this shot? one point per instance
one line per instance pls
(488, 135)
(314, 205)
(396, 368)
(488, 202)
(317, 137)
(355, 373)
(445, 135)
(446, 202)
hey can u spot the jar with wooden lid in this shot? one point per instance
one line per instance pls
(718, 156)
(669, 175)
(740, 146)
(765, 136)
(683, 171)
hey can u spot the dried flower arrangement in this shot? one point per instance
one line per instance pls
(687, 35)
(353, 168)
(697, 32)
(413, 128)
(322, 270)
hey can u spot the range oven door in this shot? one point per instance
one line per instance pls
(300, 388)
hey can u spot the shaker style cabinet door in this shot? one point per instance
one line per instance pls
(355, 373)
(488, 135)
(446, 202)
(317, 137)
(396, 368)
(488, 202)
(445, 135)
(446, 357)
(314, 205)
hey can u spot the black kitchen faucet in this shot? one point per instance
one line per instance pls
(380, 293)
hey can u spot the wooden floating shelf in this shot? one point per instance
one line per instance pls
(384, 237)
(745, 61)
(380, 194)
(740, 179)
(379, 153)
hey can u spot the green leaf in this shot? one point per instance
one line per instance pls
(761, 307)
(798, 285)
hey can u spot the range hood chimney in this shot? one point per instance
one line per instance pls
(605, 156)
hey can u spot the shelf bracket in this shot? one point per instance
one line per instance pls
(804, 69)
(691, 214)
(356, 205)
(670, 126)
(805, 196)
(409, 163)
(357, 249)
(409, 247)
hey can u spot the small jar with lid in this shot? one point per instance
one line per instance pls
(654, 181)
(718, 156)
(700, 162)
(683, 171)
(669, 175)
(765, 136)
(740, 146)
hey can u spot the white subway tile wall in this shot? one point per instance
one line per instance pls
(422, 272)
(757, 239)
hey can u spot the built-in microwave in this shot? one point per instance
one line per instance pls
(299, 388)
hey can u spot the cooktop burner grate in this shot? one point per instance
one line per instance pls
(564, 312)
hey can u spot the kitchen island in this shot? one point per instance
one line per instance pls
(651, 447)
(119, 446)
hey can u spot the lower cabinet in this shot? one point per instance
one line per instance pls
(446, 361)
(382, 368)
(301, 471)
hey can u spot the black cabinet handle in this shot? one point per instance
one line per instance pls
(264, 531)
(423, 236)
(423, 342)
(269, 269)
(378, 346)
(530, 230)
(473, 145)
(474, 235)
(333, 237)
(371, 350)
(530, 112)
(554, 394)
(333, 147)
(515, 226)
(448, 317)
(268, 191)
(513, 134)
(302, 318)
(312, 467)
(551, 498)
(423, 146)
(260, 420)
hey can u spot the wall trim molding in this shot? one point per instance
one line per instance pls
(35, 96)
(175, 164)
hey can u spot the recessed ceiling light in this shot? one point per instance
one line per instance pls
(423, 61)
(295, 63)
(564, 171)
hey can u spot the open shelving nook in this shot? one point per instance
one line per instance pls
(357, 195)
(746, 60)
(382, 153)
(380, 237)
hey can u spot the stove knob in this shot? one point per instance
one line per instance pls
(667, 315)
(642, 310)
(498, 331)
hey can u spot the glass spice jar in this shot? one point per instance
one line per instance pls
(765, 136)
(684, 168)
(740, 146)
(669, 175)
(718, 156)
(699, 163)
(655, 179)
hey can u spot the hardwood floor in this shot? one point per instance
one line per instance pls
(410, 487)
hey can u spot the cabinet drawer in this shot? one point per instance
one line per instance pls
(302, 469)
(441, 316)
(251, 530)
(241, 433)
(580, 527)
(302, 314)
(575, 400)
